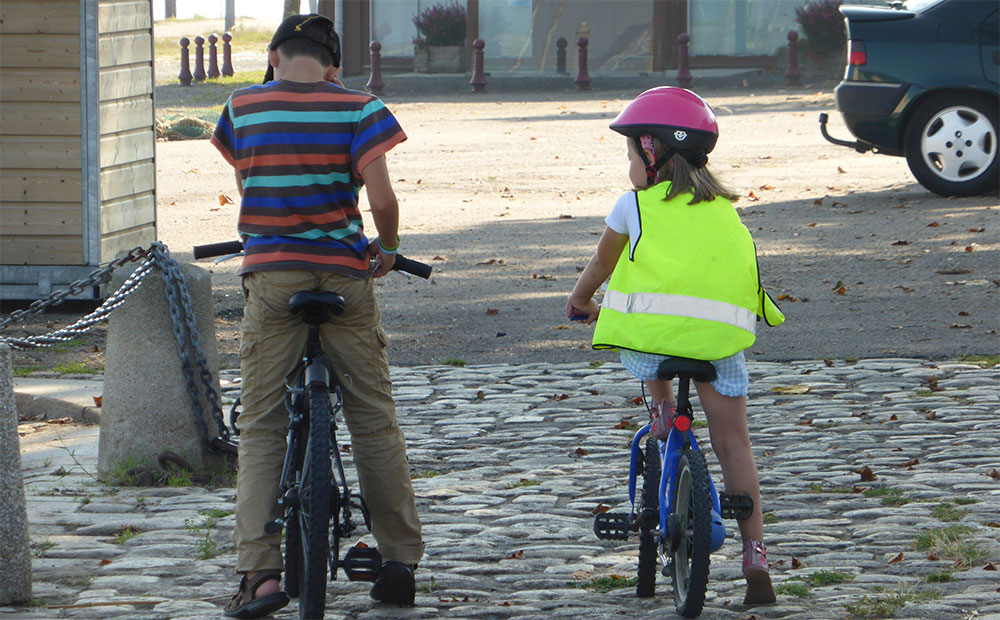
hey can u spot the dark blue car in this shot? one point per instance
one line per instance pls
(923, 82)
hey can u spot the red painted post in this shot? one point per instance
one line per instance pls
(561, 44)
(199, 59)
(478, 80)
(213, 56)
(683, 73)
(582, 76)
(375, 84)
(185, 75)
(227, 55)
(792, 74)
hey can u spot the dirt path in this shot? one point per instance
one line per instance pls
(505, 197)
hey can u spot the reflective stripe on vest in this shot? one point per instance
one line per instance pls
(680, 305)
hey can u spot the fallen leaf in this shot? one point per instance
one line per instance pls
(842, 290)
(897, 559)
(625, 423)
(766, 187)
(558, 397)
(841, 170)
(990, 566)
(791, 389)
(994, 474)
(933, 225)
(931, 415)
(637, 400)
(911, 463)
(580, 452)
(969, 248)
(517, 555)
(959, 326)
(867, 475)
(492, 311)
(977, 230)
(105, 562)
(752, 197)
(829, 363)
(225, 200)
(439, 257)
(481, 395)
(933, 557)
(953, 272)
(893, 417)
(901, 242)
(565, 217)
(963, 313)
(818, 202)
(600, 509)
(797, 563)
(98, 400)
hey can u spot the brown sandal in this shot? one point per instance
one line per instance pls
(246, 605)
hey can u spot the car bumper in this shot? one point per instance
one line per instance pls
(871, 112)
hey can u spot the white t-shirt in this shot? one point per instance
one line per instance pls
(624, 219)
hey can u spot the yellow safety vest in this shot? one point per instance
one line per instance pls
(688, 286)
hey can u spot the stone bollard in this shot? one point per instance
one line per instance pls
(227, 54)
(683, 73)
(185, 75)
(582, 76)
(213, 56)
(478, 80)
(375, 84)
(146, 408)
(15, 552)
(199, 59)
(561, 44)
(792, 75)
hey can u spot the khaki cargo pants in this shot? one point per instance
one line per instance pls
(272, 343)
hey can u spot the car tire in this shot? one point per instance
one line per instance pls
(951, 147)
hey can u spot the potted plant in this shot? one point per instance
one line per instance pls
(440, 43)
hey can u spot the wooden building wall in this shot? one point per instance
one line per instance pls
(41, 218)
(125, 117)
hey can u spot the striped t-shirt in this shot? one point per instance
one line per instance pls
(299, 149)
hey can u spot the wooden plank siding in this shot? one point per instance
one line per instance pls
(127, 134)
(41, 212)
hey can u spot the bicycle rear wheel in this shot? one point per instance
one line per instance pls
(314, 508)
(649, 513)
(693, 517)
(293, 558)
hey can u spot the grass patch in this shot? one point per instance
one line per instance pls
(769, 518)
(951, 542)
(216, 513)
(942, 577)
(946, 512)
(885, 605)
(983, 361)
(24, 371)
(523, 482)
(607, 584)
(828, 578)
(170, 95)
(246, 38)
(205, 546)
(965, 501)
(39, 548)
(451, 361)
(124, 534)
(699, 423)
(427, 473)
(817, 487)
(69, 345)
(77, 368)
(179, 478)
(74, 581)
(889, 496)
(595, 364)
(792, 588)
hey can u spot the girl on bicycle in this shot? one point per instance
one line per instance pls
(684, 283)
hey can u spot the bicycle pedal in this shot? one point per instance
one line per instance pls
(611, 526)
(736, 505)
(362, 563)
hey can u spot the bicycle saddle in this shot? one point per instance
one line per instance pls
(316, 306)
(699, 370)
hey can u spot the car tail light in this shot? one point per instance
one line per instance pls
(856, 54)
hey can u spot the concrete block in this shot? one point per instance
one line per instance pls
(146, 409)
(15, 552)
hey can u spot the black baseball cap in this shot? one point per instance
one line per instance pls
(316, 28)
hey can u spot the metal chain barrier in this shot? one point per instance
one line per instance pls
(181, 316)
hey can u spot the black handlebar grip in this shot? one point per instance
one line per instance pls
(421, 270)
(217, 249)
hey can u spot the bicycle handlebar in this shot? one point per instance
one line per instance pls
(410, 266)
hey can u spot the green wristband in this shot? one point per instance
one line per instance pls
(386, 250)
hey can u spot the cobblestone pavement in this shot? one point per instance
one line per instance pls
(880, 481)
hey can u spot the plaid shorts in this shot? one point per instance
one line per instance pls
(731, 372)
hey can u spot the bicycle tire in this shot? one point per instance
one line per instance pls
(314, 509)
(649, 512)
(293, 558)
(693, 507)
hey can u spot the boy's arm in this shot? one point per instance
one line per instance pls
(600, 267)
(385, 212)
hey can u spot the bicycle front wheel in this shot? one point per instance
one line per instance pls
(649, 517)
(314, 510)
(693, 517)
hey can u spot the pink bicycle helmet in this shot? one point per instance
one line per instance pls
(680, 119)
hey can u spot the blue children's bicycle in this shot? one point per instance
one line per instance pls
(679, 517)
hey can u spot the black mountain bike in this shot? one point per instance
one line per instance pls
(317, 501)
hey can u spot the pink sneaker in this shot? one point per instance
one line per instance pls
(757, 573)
(663, 419)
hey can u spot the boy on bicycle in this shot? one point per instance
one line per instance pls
(303, 146)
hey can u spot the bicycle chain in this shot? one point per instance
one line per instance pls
(181, 315)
